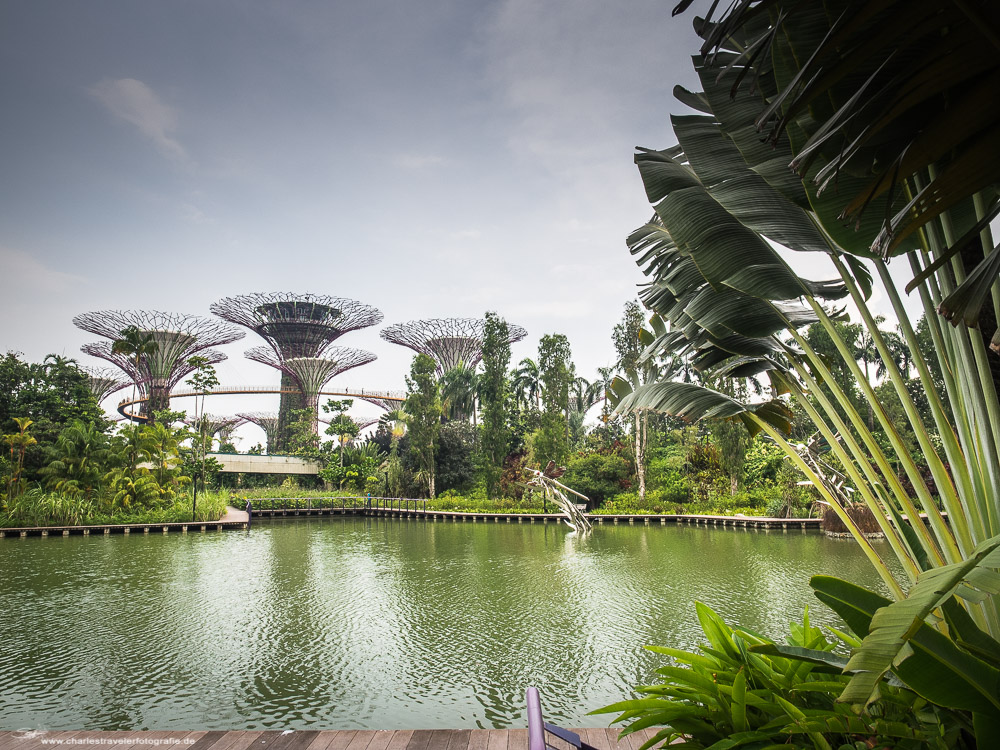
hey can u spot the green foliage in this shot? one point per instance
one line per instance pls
(52, 394)
(495, 399)
(423, 410)
(78, 460)
(555, 369)
(598, 476)
(454, 464)
(741, 689)
(37, 507)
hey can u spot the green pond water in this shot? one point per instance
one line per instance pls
(370, 623)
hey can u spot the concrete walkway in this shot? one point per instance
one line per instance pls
(238, 516)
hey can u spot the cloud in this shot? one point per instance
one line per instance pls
(25, 277)
(136, 103)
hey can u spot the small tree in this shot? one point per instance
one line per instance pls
(341, 425)
(423, 409)
(136, 344)
(202, 382)
(19, 442)
(556, 373)
(495, 396)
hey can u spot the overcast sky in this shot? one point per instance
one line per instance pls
(434, 159)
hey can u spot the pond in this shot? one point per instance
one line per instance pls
(374, 623)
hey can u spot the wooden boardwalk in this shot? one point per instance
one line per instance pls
(415, 739)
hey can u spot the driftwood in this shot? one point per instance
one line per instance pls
(556, 492)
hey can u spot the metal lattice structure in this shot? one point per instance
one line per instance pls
(267, 421)
(153, 395)
(104, 381)
(312, 373)
(177, 337)
(217, 426)
(296, 325)
(389, 404)
(451, 342)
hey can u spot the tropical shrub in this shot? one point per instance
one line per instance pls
(598, 476)
(740, 689)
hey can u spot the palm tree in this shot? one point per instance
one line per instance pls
(459, 386)
(19, 443)
(598, 391)
(135, 343)
(79, 459)
(527, 383)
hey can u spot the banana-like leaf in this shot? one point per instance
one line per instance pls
(740, 190)
(869, 94)
(693, 402)
(966, 302)
(826, 661)
(937, 670)
(701, 228)
(894, 626)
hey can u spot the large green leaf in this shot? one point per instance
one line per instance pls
(740, 190)
(693, 402)
(894, 626)
(937, 670)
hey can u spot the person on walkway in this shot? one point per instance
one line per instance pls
(249, 510)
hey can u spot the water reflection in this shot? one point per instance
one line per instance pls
(375, 623)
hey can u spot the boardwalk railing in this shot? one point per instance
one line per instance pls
(269, 504)
(538, 728)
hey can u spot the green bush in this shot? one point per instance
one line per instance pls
(598, 476)
(38, 508)
(741, 690)
(674, 490)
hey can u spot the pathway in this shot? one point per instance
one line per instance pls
(417, 739)
(233, 515)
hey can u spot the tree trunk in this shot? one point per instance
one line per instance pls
(640, 456)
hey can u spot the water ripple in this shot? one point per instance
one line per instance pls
(373, 623)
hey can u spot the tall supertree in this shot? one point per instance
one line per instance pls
(104, 381)
(296, 325)
(177, 338)
(451, 342)
(310, 374)
(268, 422)
(153, 398)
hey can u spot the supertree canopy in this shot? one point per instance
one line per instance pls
(155, 393)
(220, 426)
(174, 339)
(312, 373)
(449, 341)
(386, 402)
(297, 325)
(268, 422)
(104, 381)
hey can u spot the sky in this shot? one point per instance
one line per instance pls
(433, 159)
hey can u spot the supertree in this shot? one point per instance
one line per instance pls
(310, 374)
(388, 403)
(175, 338)
(153, 398)
(217, 426)
(225, 426)
(451, 342)
(268, 422)
(296, 325)
(104, 381)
